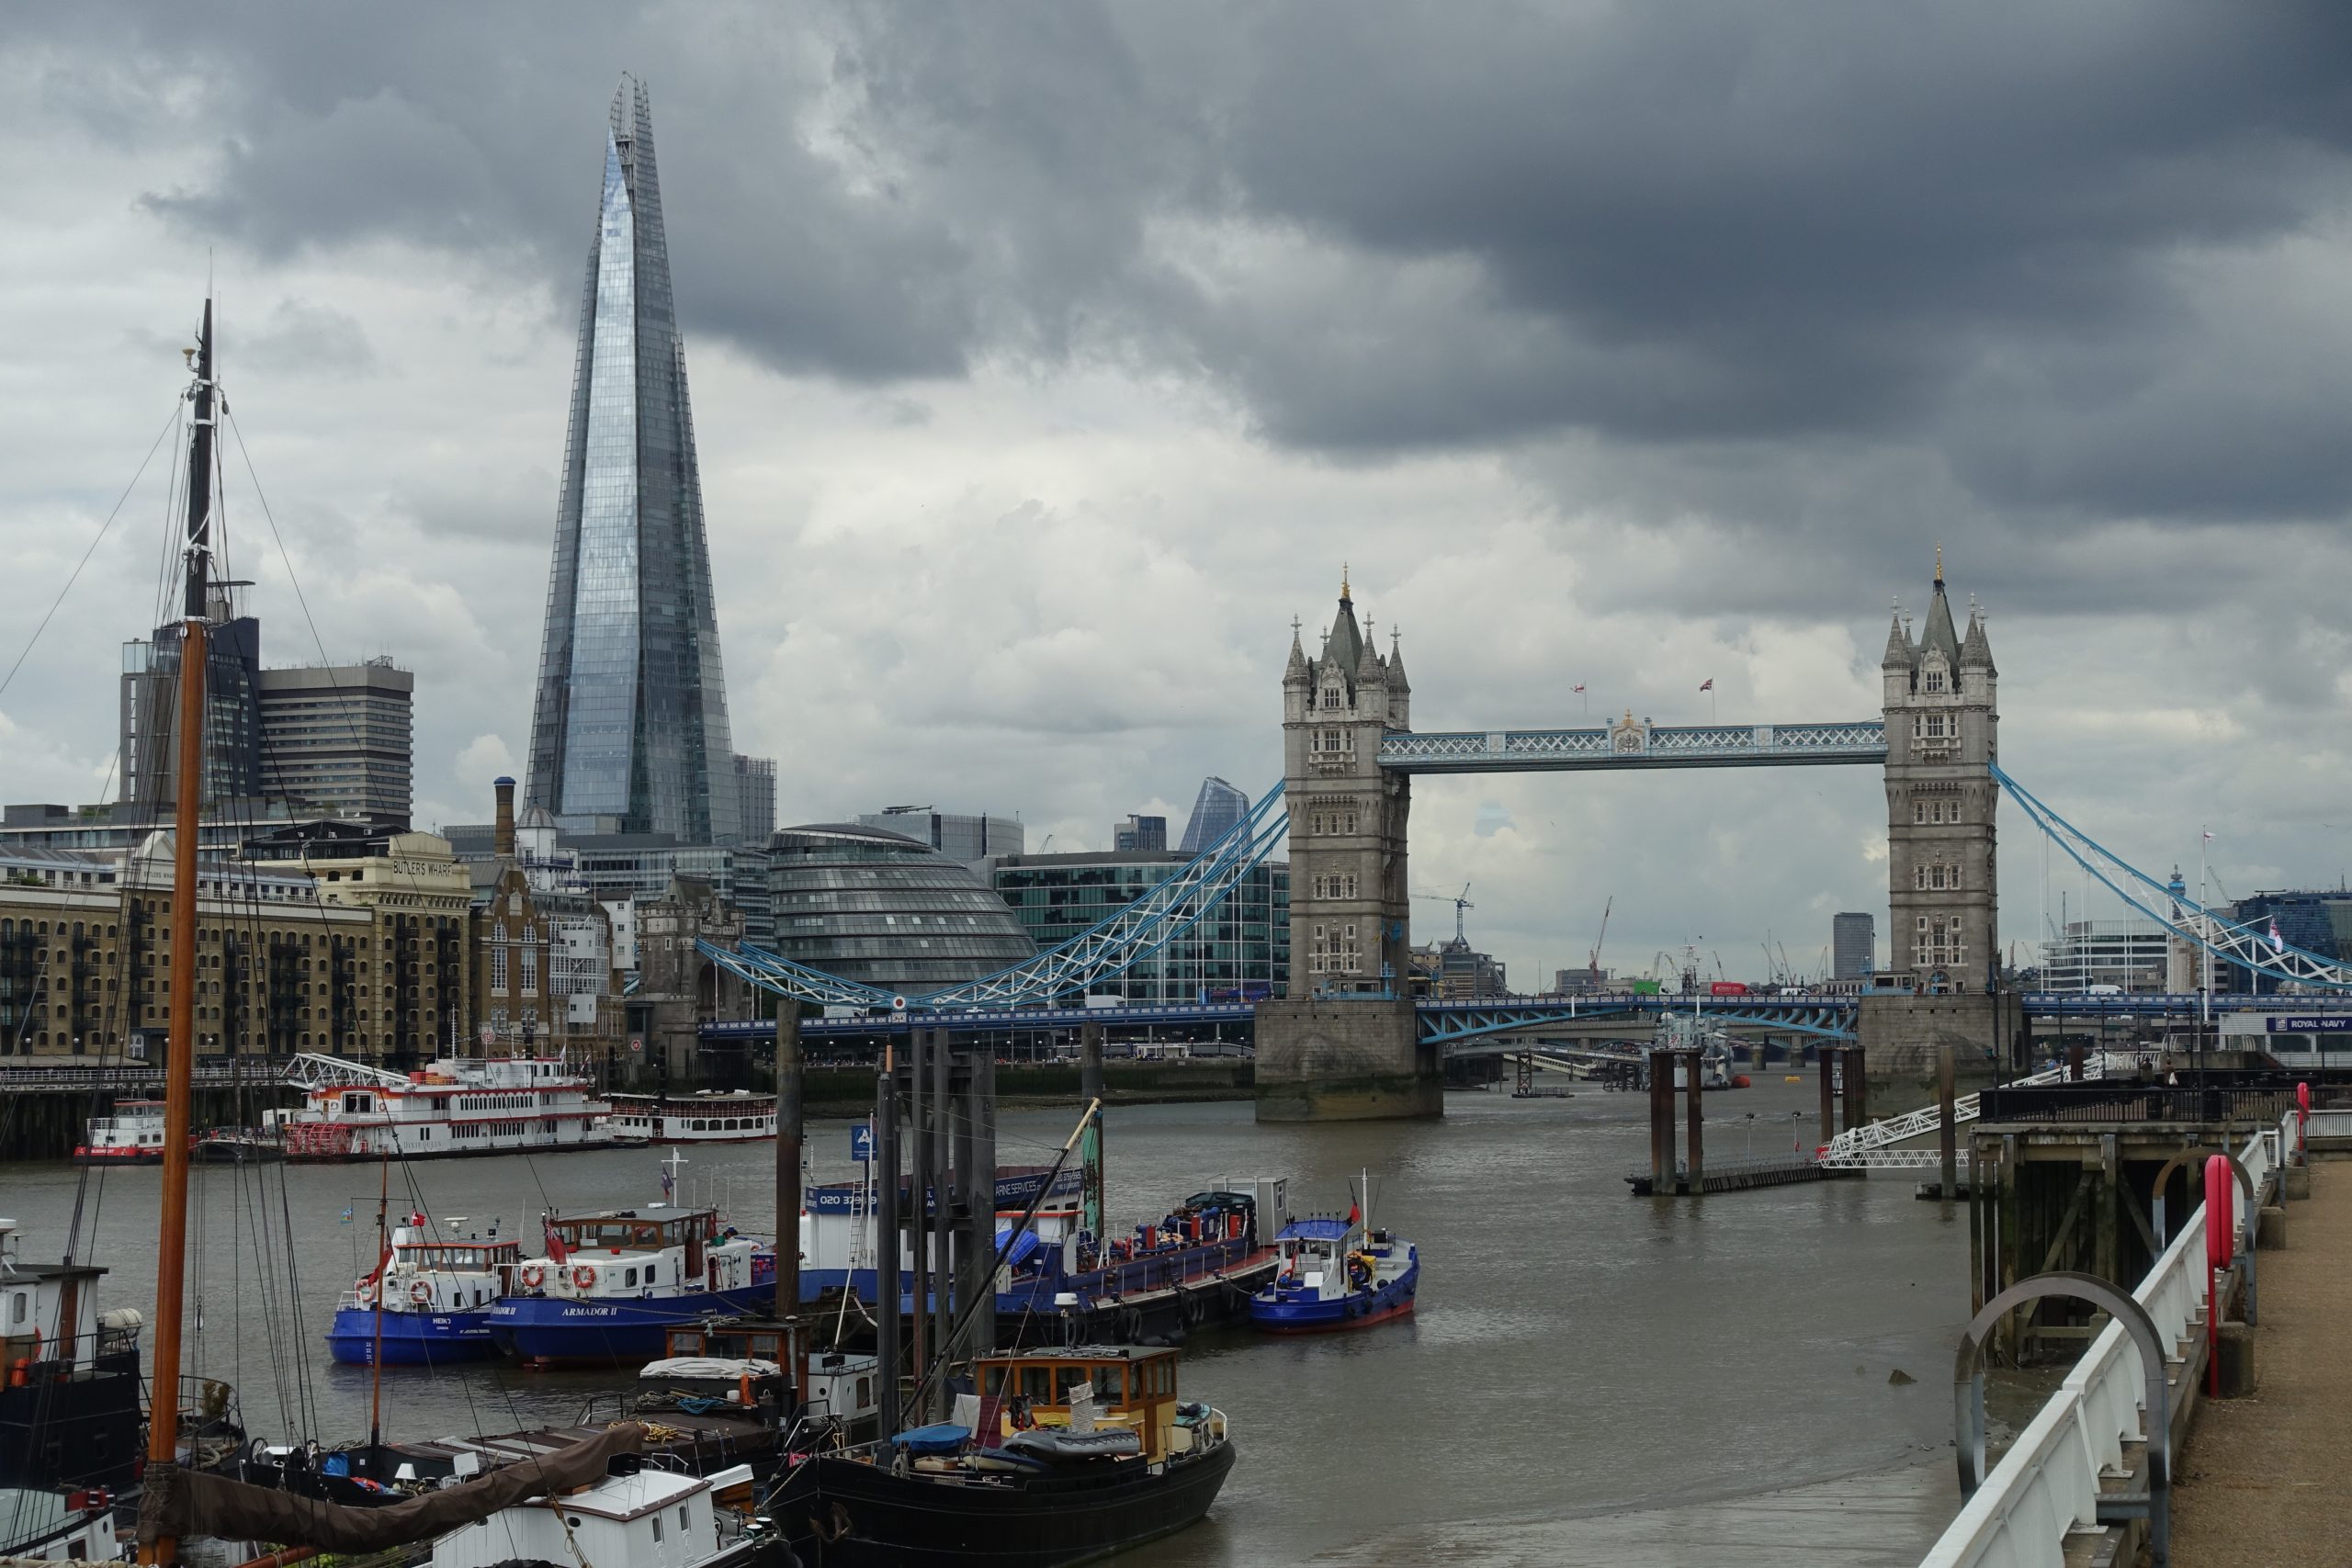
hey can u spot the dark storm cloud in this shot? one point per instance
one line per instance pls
(1841, 231)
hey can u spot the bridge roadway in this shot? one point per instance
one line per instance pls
(1447, 1023)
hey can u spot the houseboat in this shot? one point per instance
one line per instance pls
(133, 1135)
(714, 1116)
(458, 1106)
(427, 1300)
(72, 1414)
(1071, 1455)
(611, 1282)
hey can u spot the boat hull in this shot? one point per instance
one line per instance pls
(568, 1331)
(412, 1338)
(848, 1514)
(1270, 1313)
(85, 1154)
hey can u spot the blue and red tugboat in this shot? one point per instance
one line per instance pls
(1335, 1275)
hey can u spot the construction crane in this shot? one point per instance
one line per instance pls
(1460, 901)
(1593, 961)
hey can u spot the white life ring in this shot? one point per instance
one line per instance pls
(584, 1276)
(534, 1276)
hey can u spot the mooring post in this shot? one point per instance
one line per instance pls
(982, 1185)
(2075, 1062)
(1089, 1069)
(1827, 1056)
(943, 1276)
(1661, 1066)
(1698, 1153)
(917, 1197)
(1948, 1134)
(787, 1190)
(887, 1234)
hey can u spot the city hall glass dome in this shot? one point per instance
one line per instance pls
(887, 911)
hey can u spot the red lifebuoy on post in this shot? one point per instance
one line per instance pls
(584, 1276)
(534, 1276)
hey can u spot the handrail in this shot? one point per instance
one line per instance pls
(2048, 1483)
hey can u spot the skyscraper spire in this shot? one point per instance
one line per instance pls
(630, 721)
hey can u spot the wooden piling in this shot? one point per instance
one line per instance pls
(1948, 1138)
(1661, 1121)
(1698, 1158)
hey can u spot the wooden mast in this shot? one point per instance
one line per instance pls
(179, 1063)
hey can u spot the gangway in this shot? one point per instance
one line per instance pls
(1869, 1146)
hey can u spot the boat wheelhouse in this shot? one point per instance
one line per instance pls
(1335, 1274)
(611, 1282)
(133, 1135)
(458, 1106)
(435, 1296)
(713, 1116)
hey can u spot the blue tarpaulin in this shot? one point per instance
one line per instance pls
(939, 1438)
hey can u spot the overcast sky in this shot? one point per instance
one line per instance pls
(1046, 360)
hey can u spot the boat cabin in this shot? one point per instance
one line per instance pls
(1133, 1386)
(633, 1252)
(1314, 1253)
(844, 1385)
(50, 1318)
(135, 1128)
(649, 1518)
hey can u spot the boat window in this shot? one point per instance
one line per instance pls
(1111, 1385)
(991, 1381)
(652, 1273)
(1067, 1379)
(682, 1517)
(657, 1528)
(632, 1277)
(1038, 1384)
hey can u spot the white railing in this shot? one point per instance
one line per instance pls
(2047, 1485)
(2331, 1124)
(1846, 1150)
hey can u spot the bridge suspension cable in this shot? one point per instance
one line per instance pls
(1116, 944)
(2257, 951)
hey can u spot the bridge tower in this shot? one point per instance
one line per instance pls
(1943, 709)
(1341, 1043)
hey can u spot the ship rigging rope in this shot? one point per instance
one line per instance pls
(169, 425)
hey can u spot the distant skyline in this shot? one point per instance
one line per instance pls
(1049, 362)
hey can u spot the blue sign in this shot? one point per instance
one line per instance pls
(860, 1142)
(2336, 1024)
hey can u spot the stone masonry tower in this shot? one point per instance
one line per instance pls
(1942, 727)
(1341, 1043)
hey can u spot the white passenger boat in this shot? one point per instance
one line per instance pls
(713, 1116)
(458, 1106)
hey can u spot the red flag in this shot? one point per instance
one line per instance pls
(557, 1251)
(1708, 684)
(1578, 686)
(372, 1275)
(1355, 1213)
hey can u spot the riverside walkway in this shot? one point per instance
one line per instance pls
(2266, 1480)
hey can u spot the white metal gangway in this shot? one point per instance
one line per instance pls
(310, 1070)
(1869, 1146)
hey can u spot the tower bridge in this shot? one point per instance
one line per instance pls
(1345, 1043)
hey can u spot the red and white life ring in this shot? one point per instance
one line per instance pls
(420, 1292)
(367, 1293)
(534, 1276)
(584, 1276)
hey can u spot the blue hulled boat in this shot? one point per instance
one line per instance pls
(613, 1282)
(1335, 1274)
(435, 1298)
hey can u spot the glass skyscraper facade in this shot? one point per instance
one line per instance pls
(630, 731)
(1237, 952)
(1214, 811)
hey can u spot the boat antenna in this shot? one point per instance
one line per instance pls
(180, 1074)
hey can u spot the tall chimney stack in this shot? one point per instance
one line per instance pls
(506, 837)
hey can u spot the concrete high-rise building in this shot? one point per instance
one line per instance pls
(1214, 811)
(1853, 945)
(1140, 833)
(755, 796)
(340, 738)
(1942, 729)
(629, 732)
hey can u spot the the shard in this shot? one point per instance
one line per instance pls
(629, 730)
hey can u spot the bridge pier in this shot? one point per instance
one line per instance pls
(1345, 1060)
(1903, 1036)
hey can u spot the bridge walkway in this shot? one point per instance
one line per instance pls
(2265, 1480)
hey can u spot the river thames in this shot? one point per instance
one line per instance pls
(1589, 1377)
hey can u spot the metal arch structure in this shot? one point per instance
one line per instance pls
(2240, 944)
(1446, 1024)
(1633, 744)
(1111, 948)
(310, 1070)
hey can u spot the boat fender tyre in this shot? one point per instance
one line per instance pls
(534, 1277)
(584, 1276)
(420, 1292)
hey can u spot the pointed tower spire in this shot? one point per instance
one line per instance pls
(1898, 643)
(1397, 681)
(1296, 668)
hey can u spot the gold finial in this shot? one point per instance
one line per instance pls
(1343, 580)
(1940, 563)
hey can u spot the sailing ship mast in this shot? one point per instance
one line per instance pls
(179, 1063)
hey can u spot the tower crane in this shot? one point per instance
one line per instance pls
(1461, 902)
(1592, 960)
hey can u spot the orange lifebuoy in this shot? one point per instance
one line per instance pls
(534, 1277)
(584, 1276)
(420, 1292)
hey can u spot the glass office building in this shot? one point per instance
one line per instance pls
(885, 909)
(1214, 811)
(1238, 952)
(630, 730)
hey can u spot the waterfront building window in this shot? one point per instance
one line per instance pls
(1918, 811)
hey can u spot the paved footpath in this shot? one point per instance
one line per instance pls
(2267, 1481)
